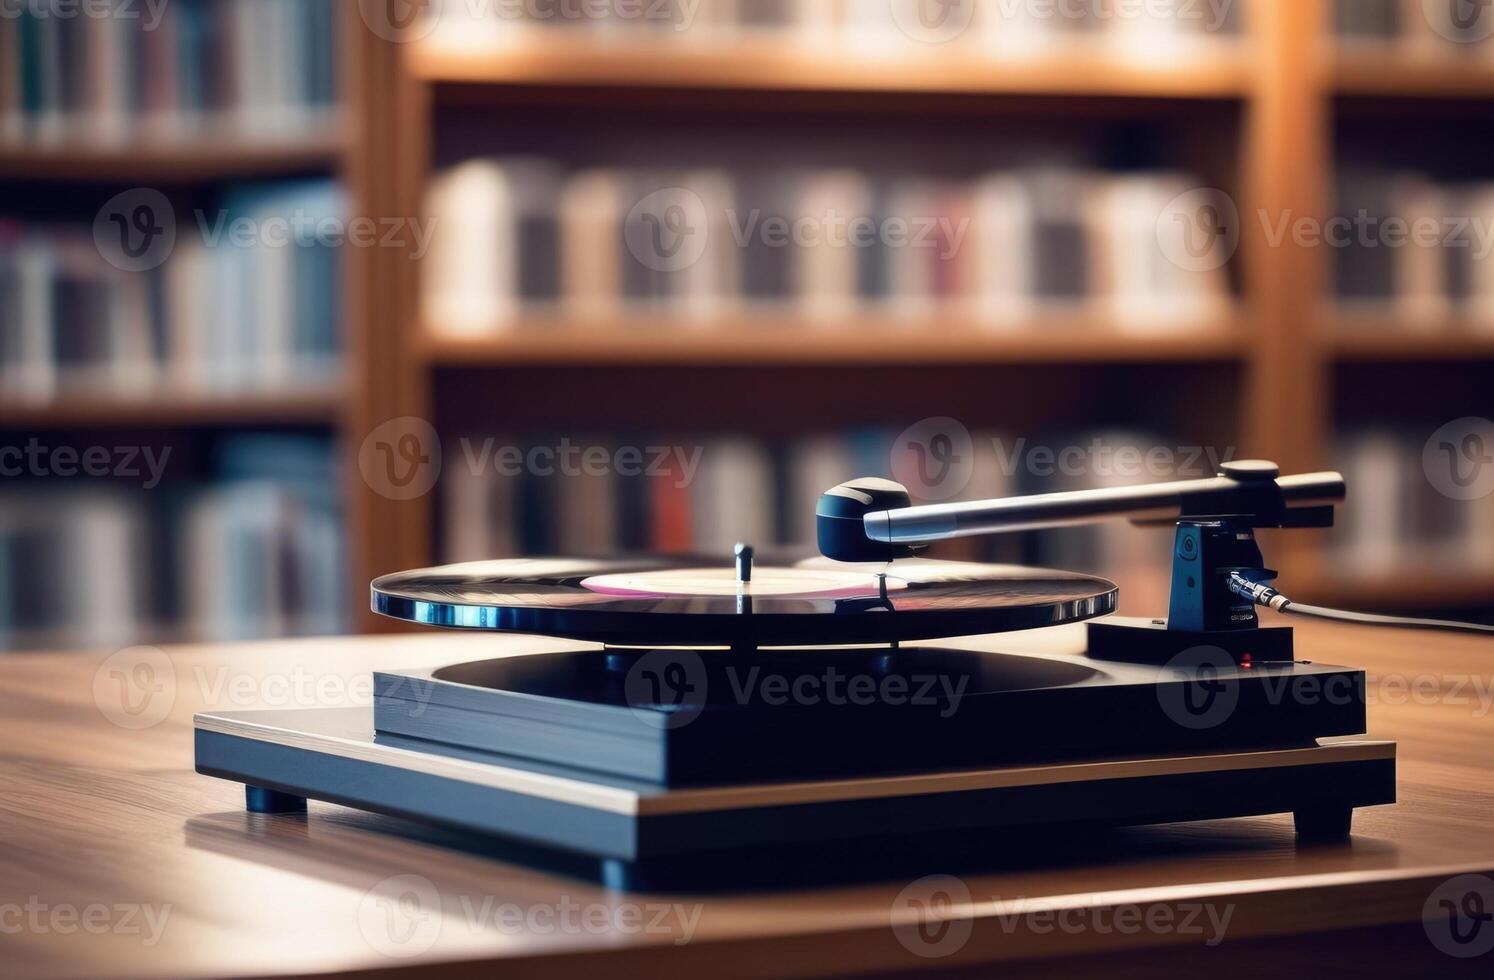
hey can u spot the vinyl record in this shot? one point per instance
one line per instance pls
(698, 601)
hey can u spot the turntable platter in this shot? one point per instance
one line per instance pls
(697, 601)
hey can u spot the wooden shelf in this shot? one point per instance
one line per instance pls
(773, 65)
(171, 161)
(865, 341)
(171, 411)
(1399, 77)
(1386, 338)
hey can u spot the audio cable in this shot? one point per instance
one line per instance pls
(1257, 591)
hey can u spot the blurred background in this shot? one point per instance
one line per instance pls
(298, 292)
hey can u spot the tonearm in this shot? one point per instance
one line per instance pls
(1215, 550)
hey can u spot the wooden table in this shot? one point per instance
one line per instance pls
(116, 859)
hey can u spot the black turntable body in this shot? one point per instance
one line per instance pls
(745, 705)
(814, 713)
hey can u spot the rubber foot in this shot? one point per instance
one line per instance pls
(257, 799)
(1324, 825)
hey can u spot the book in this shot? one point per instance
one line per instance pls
(470, 271)
(132, 72)
(592, 244)
(1423, 295)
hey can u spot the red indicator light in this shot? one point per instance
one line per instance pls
(1245, 661)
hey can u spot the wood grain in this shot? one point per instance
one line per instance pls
(92, 813)
(770, 65)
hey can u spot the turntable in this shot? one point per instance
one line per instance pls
(720, 708)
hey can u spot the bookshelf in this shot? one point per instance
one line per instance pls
(163, 410)
(1393, 77)
(63, 179)
(1264, 379)
(598, 68)
(865, 340)
(188, 160)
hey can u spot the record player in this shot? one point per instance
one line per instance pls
(720, 709)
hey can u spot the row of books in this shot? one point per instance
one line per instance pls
(703, 494)
(256, 553)
(523, 238)
(117, 71)
(221, 313)
(1416, 247)
(1401, 520)
(1417, 27)
(1006, 28)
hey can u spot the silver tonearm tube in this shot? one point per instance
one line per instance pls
(1159, 501)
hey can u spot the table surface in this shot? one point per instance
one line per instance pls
(117, 859)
